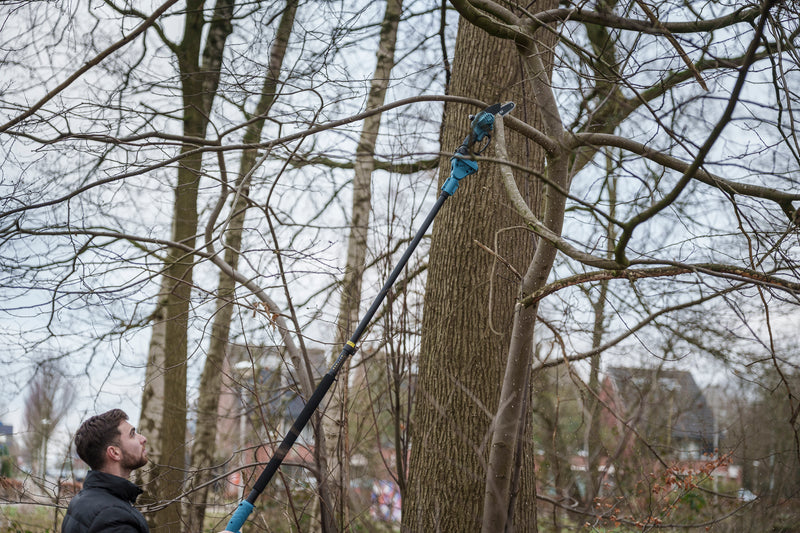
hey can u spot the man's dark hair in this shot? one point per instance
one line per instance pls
(96, 434)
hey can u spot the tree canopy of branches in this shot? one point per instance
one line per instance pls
(182, 178)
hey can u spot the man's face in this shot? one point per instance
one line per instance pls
(132, 445)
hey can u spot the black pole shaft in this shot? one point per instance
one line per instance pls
(348, 350)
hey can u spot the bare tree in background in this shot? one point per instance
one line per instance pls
(337, 438)
(169, 112)
(120, 216)
(49, 398)
(204, 444)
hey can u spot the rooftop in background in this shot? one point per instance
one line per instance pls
(666, 400)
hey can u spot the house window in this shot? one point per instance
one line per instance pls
(689, 449)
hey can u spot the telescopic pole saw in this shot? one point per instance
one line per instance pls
(461, 166)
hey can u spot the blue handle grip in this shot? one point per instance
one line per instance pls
(240, 516)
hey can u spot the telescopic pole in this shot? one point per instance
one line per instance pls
(481, 128)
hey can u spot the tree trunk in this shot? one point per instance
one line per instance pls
(199, 83)
(153, 394)
(203, 446)
(336, 420)
(469, 306)
(594, 445)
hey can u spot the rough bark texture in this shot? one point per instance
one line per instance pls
(199, 81)
(469, 304)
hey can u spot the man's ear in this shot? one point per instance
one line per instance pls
(113, 453)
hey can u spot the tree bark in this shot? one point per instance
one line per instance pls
(469, 306)
(203, 446)
(199, 81)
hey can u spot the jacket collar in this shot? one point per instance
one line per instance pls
(118, 486)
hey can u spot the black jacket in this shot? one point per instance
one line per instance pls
(104, 504)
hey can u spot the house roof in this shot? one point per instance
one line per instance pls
(273, 375)
(664, 399)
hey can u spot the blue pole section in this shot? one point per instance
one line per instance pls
(239, 516)
(480, 129)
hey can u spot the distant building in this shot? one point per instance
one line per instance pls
(258, 392)
(666, 407)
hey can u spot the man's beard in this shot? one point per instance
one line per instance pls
(132, 463)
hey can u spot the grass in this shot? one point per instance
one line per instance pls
(28, 518)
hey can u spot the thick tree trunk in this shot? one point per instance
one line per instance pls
(336, 419)
(469, 307)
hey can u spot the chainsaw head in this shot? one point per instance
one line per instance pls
(482, 124)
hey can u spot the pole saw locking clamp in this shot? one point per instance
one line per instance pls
(481, 128)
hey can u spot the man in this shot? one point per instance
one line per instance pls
(109, 444)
